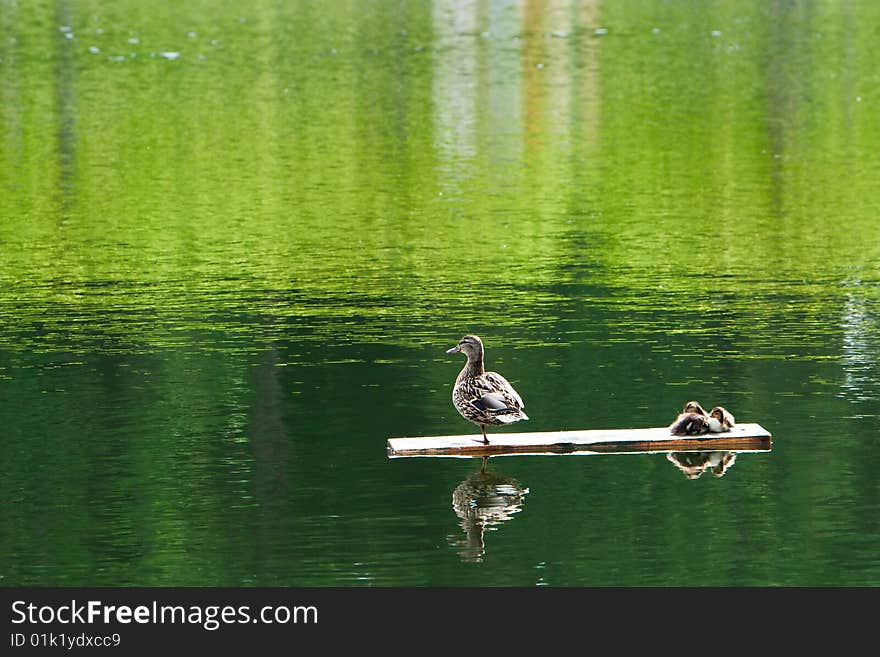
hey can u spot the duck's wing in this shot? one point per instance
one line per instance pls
(498, 386)
(491, 402)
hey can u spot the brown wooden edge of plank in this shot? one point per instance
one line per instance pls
(672, 445)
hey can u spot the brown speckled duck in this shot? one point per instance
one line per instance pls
(483, 397)
(692, 421)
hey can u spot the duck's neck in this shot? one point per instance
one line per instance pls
(473, 368)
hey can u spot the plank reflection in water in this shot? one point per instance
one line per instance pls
(694, 464)
(482, 502)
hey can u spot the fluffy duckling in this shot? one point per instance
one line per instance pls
(483, 397)
(720, 420)
(694, 407)
(692, 421)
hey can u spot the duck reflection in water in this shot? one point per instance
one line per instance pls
(482, 502)
(694, 464)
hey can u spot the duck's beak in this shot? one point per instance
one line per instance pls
(454, 350)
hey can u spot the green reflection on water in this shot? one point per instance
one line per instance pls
(238, 237)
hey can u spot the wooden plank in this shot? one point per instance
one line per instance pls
(743, 437)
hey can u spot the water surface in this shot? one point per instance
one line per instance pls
(237, 239)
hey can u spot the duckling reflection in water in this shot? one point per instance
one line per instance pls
(482, 502)
(694, 464)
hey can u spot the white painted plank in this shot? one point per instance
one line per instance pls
(571, 441)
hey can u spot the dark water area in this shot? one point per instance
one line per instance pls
(238, 238)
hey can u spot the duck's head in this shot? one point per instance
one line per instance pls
(694, 407)
(470, 345)
(723, 416)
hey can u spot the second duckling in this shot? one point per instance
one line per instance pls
(720, 420)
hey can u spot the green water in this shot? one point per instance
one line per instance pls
(236, 239)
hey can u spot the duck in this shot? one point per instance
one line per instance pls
(720, 420)
(692, 421)
(484, 398)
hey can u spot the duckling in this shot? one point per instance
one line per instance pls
(694, 407)
(720, 420)
(483, 397)
(692, 421)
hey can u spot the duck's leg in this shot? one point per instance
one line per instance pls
(485, 439)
